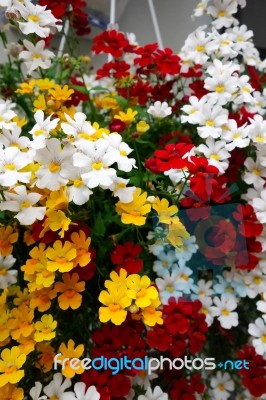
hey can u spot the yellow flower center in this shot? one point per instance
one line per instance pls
(70, 293)
(219, 88)
(46, 331)
(170, 288)
(54, 167)
(135, 213)
(256, 172)
(257, 280)
(1, 119)
(200, 48)
(78, 182)
(222, 14)
(123, 153)
(54, 398)
(225, 42)
(210, 122)
(184, 276)
(114, 307)
(39, 132)
(10, 369)
(25, 204)
(120, 185)
(215, 157)
(142, 292)
(37, 55)
(165, 264)
(225, 312)
(10, 167)
(34, 18)
(263, 338)
(3, 271)
(240, 39)
(260, 139)
(97, 165)
(236, 135)
(221, 387)
(60, 260)
(246, 89)
(204, 311)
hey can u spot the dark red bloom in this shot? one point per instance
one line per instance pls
(254, 378)
(186, 389)
(115, 69)
(173, 156)
(111, 42)
(117, 126)
(167, 62)
(126, 256)
(146, 55)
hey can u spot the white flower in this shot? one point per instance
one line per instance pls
(6, 116)
(14, 139)
(159, 110)
(85, 394)
(41, 130)
(164, 262)
(37, 19)
(241, 36)
(22, 203)
(223, 309)
(244, 94)
(7, 276)
(11, 162)
(257, 129)
(207, 309)
(258, 330)
(236, 135)
(259, 103)
(78, 127)
(222, 11)
(120, 190)
(96, 158)
(56, 388)
(222, 87)
(255, 281)
(156, 394)
(225, 46)
(216, 153)
(259, 205)
(199, 45)
(36, 56)
(254, 173)
(53, 160)
(261, 306)
(222, 386)
(77, 191)
(211, 118)
(120, 152)
(36, 391)
(193, 109)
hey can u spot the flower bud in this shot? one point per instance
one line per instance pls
(12, 14)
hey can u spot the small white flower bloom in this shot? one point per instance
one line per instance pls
(35, 392)
(207, 309)
(257, 129)
(120, 150)
(160, 110)
(222, 11)
(156, 394)
(198, 46)
(6, 116)
(41, 130)
(254, 173)
(7, 276)
(36, 56)
(211, 118)
(121, 190)
(236, 135)
(14, 139)
(12, 160)
(78, 127)
(258, 330)
(85, 394)
(216, 153)
(222, 386)
(56, 388)
(23, 204)
(223, 309)
(259, 205)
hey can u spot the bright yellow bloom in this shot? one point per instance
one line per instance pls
(7, 237)
(26, 87)
(27, 345)
(44, 278)
(115, 304)
(135, 211)
(22, 297)
(70, 288)
(20, 323)
(4, 330)
(10, 363)
(40, 103)
(61, 256)
(177, 232)
(46, 357)
(140, 290)
(117, 280)
(41, 299)
(107, 102)
(163, 210)
(61, 94)
(142, 127)
(57, 200)
(45, 84)
(70, 352)
(81, 244)
(44, 329)
(11, 392)
(56, 221)
(150, 315)
(127, 117)
(20, 122)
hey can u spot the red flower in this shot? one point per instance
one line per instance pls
(139, 92)
(146, 54)
(254, 378)
(186, 389)
(117, 126)
(167, 62)
(115, 69)
(173, 156)
(111, 42)
(125, 256)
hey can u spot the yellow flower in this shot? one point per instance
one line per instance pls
(61, 94)
(164, 211)
(20, 122)
(41, 299)
(150, 315)
(56, 221)
(57, 200)
(115, 303)
(140, 290)
(10, 363)
(44, 278)
(127, 117)
(26, 87)
(46, 357)
(107, 102)
(177, 232)
(81, 244)
(40, 103)
(117, 280)
(70, 288)
(135, 211)
(7, 237)
(70, 352)
(4, 331)
(20, 323)
(142, 127)
(44, 329)
(61, 256)
(11, 392)
(45, 84)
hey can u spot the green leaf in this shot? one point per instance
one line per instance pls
(99, 226)
(121, 101)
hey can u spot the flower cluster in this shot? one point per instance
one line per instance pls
(132, 209)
